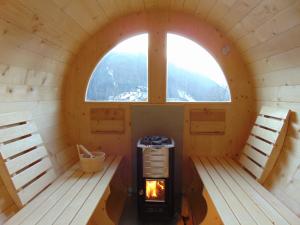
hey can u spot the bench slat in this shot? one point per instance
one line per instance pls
(69, 213)
(19, 146)
(260, 145)
(62, 203)
(253, 194)
(26, 176)
(50, 202)
(223, 209)
(265, 134)
(24, 160)
(247, 202)
(37, 186)
(271, 123)
(15, 117)
(11, 133)
(250, 166)
(255, 155)
(239, 211)
(274, 112)
(280, 207)
(68, 202)
(85, 213)
(42, 198)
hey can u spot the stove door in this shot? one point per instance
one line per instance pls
(155, 190)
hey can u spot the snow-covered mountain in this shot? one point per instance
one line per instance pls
(123, 77)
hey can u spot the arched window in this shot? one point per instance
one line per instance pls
(122, 74)
(193, 74)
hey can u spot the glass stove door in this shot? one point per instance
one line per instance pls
(155, 190)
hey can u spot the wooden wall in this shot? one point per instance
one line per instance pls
(272, 52)
(157, 24)
(37, 41)
(34, 54)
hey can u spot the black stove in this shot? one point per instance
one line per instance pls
(155, 177)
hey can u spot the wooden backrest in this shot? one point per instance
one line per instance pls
(265, 142)
(25, 166)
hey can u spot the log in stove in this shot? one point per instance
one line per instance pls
(155, 177)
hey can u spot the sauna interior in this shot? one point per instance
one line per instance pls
(49, 52)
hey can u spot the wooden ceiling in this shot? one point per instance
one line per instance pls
(54, 29)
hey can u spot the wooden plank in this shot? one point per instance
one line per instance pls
(205, 7)
(26, 159)
(65, 215)
(275, 153)
(88, 14)
(246, 201)
(8, 184)
(19, 146)
(274, 112)
(251, 166)
(275, 79)
(269, 123)
(204, 127)
(53, 198)
(15, 117)
(63, 202)
(222, 207)
(208, 115)
(86, 211)
(17, 131)
(107, 126)
(253, 194)
(255, 155)
(260, 145)
(29, 174)
(237, 208)
(42, 198)
(264, 134)
(36, 187)
(107, 114)
(274, 202)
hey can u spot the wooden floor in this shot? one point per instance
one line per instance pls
(129, 215)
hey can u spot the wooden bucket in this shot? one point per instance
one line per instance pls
(90, 164)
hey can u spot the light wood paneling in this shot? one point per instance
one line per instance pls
(272, 50)
(38, 41)
(157, 24)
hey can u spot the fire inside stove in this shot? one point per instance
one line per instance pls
(155, 190)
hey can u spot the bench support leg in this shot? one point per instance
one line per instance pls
(202, 207)
(212, 216)
(100, 216)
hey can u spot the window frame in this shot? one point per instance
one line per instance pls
(167, 73)
(86, 100)
(149, 75)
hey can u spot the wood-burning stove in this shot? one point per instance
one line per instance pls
(155, 177)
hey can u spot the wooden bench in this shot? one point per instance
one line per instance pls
(72, 199)
(234, 188)
(237, 197)
(26, 169)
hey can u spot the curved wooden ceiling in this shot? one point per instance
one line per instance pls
(55, 29)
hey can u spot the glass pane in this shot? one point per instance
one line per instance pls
(122, 74)
(193, 74)
(155, 190)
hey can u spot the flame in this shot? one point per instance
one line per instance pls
(154, 188)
